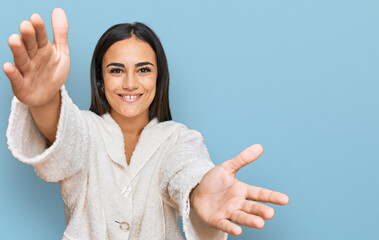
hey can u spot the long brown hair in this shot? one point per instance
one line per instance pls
(160, 107)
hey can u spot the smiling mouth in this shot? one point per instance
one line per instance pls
(130, 97)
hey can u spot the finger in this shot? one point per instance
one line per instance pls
(20, 56)
(229, 227)
(14, 76)
(245, 219)
(259, 209)
(266, 195)
(245, 157)
(29, 38)
(60, 26)
(39, 27)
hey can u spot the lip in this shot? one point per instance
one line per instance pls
(135, 97)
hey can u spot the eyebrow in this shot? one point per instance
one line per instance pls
(116, 64)
(137, 64)
(143, 64)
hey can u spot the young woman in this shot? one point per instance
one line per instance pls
(126, 171)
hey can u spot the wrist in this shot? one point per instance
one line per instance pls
(46, 117)
(47, 104)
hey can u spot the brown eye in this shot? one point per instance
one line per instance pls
(144, 70)
(116, 70)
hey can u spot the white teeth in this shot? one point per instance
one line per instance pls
(130, 97)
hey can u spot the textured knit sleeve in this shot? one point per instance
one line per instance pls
(182, 171)
(66, 156)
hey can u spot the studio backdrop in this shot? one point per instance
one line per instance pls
(299, 77)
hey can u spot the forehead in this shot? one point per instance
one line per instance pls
(131, 50)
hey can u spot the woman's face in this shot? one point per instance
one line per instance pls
(130, 73)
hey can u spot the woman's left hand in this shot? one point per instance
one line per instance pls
(220, 198)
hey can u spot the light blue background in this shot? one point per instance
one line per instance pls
(300, 77)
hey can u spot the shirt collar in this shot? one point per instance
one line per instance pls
(152, 137)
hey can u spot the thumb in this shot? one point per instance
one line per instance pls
(60, 26)
(243, 158)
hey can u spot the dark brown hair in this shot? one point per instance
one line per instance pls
(160, 107)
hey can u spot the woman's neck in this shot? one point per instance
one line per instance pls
(131, 126)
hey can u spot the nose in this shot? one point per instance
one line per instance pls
(130, 82)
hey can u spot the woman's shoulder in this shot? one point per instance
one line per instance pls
(180, 130)
(168, 124)
(103, 125)
(104, 119)
(171, 124)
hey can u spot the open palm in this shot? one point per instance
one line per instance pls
(41, 67)
(220, 198)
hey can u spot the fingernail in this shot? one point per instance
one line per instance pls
(258, 147)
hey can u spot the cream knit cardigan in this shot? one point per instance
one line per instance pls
(104, 198)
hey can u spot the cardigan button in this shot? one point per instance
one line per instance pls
(126, 191)
(125, 226)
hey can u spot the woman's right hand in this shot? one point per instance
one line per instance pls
(41, 67)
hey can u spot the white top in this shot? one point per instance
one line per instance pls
(104, 198)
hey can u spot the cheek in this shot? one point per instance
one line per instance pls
(149, 85)
(152, 89)
(109, 99)
(111, 83)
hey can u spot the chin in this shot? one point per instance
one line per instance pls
(130, 112)
(130, 115)
(133, 114)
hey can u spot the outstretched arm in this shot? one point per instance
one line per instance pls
(221, 199)
(40, 69)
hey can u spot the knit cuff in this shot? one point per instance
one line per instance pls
(28, 145)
